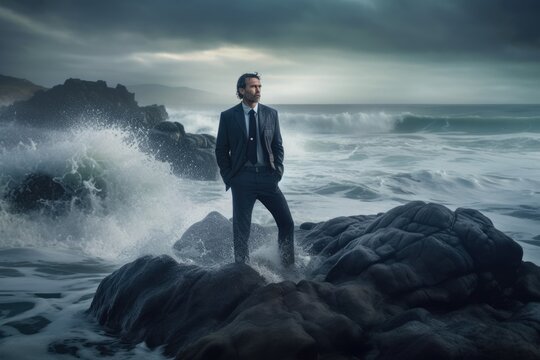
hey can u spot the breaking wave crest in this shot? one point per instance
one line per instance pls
(112, 186)
(405, 122)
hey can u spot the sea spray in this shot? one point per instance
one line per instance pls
(196, 121)
(136, 204)
(344, 122)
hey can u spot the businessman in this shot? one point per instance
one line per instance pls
(249, 153)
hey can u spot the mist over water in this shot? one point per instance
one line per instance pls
(339, 161)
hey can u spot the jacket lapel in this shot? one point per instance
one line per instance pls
(262, 119)
(240, 119)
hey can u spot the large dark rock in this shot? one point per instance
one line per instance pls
(418, 282)
(191, 155)
(157, 300)
(83, 102)
(423, 254)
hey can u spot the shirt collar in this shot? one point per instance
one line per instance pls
(247, 108)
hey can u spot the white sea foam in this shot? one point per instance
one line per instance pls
(56, 286)
(206, 121)
(196, 121)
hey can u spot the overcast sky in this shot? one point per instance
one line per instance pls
(308, 51)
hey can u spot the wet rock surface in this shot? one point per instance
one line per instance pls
(210, 240)
(54, 196)
(30, 325)
(419, 281)
(190, 155)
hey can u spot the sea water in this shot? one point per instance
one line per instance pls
(339, 160)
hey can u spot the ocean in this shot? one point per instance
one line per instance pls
(340, 160)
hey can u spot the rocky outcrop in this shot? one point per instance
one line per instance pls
(191, 155)
(83, 102)
(418, 282)
(154, 114)
(14, 89)
(187, 312)
(80, 102)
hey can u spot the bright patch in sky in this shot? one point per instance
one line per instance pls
(212, 56)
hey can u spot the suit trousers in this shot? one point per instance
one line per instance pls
(260, 183)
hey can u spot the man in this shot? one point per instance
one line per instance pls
(249, 153)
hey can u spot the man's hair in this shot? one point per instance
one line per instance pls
(241, 83)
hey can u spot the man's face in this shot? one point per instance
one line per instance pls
(252, 91)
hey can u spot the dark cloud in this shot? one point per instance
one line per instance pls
(398, 43)
(507, 28)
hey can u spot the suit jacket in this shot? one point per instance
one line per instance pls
(231, 141)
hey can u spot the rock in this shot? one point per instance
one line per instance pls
(422, 253)
(474, 332)
(175, 303)
(79, 102)
(14, 89)
(210, 241)
(191, 155)
(54, 195)
(169, 129)
(419, 281)
(34, 192)
(154, 114)
(284, 321)
(31, 325)
(528, 283)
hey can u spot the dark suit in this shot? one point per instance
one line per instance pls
(249, 184)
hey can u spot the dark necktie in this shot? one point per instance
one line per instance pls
(252, 139)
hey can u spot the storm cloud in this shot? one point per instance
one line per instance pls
(183, 42)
